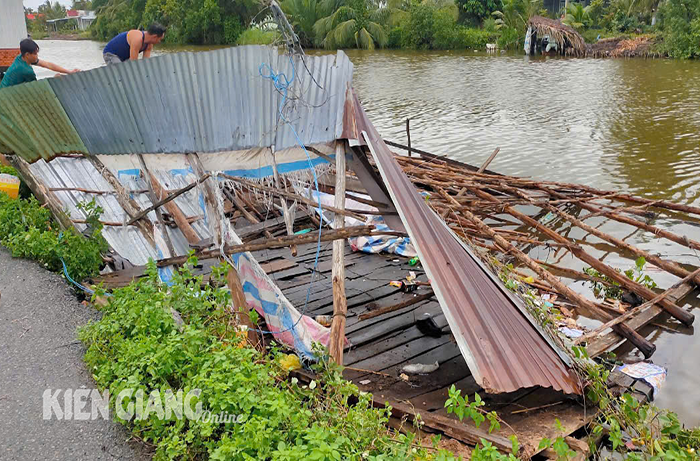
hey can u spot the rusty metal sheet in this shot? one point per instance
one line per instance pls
(502, 348)
(34, 125)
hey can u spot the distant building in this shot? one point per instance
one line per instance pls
(75, 19)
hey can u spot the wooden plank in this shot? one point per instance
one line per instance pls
(400, 322)
(277, 265)
(602, 343)
(424, 350)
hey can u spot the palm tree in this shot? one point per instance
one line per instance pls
(512, 15)
(576, 16)
(303, 14)
(354, 23)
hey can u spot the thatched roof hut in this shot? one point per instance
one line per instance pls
(568, 40)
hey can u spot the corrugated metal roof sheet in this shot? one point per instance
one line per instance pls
(205, 102)
(504, 351)
(33, 124)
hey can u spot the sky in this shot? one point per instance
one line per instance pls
(35, 3)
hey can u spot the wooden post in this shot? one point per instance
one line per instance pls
(408, 135)
(240, 304)
(340, 306)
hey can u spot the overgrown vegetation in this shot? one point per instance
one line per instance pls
(605, 287)
(27, 230)
(138, 345)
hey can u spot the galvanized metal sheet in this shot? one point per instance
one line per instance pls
(503, 350)
(33, 124)
(207, 102)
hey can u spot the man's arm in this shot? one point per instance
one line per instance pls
(147, 52)
(55, 67)
(135, 39)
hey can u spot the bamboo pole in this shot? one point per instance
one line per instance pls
(680, 314)
(489, 160)
(159, 214)
(340, 303)
(682, 240)
(641, 343)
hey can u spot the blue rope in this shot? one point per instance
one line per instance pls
(70, 279)
(282, 83)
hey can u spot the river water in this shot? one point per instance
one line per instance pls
(628, 124)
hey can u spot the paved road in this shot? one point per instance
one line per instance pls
(39, 350)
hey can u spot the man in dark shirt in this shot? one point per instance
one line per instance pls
(21, 69)
(128, 45)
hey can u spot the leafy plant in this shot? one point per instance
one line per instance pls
(606, 287)
(356, 23)
(577, 16)
(136, 344)
(27, 230)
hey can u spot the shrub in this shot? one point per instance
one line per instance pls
(27, 230)
(474, 39)
(255, 36)
(510, 38)
(681, 28)
(136, 344)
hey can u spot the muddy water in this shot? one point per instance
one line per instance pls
(627, 124)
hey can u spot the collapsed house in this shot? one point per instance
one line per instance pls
(268, 161)
(551, 37)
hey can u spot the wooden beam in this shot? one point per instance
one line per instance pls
(340, 302)
(281, 242)
(44, 195)
(159, 215)
(645, 346)
(177, 214)
(170, 197)
(357, 214)
(489, 160)
(680, 314)
(394, 307)
(602, 343)
(129, 205)
(636, 310)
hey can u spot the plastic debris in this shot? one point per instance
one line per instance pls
(403, 376)
(303, 231)
(290, 362)
(654, 375)
(324, 320)
(420, 368)
(364, 382)
(571, 332)
(529, 279)
(413, 261)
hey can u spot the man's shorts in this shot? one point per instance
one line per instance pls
(111, 58)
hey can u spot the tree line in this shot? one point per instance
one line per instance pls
(414, 24)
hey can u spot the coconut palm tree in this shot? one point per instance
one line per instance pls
(577, 16)
(354, 23)
(303, 14)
